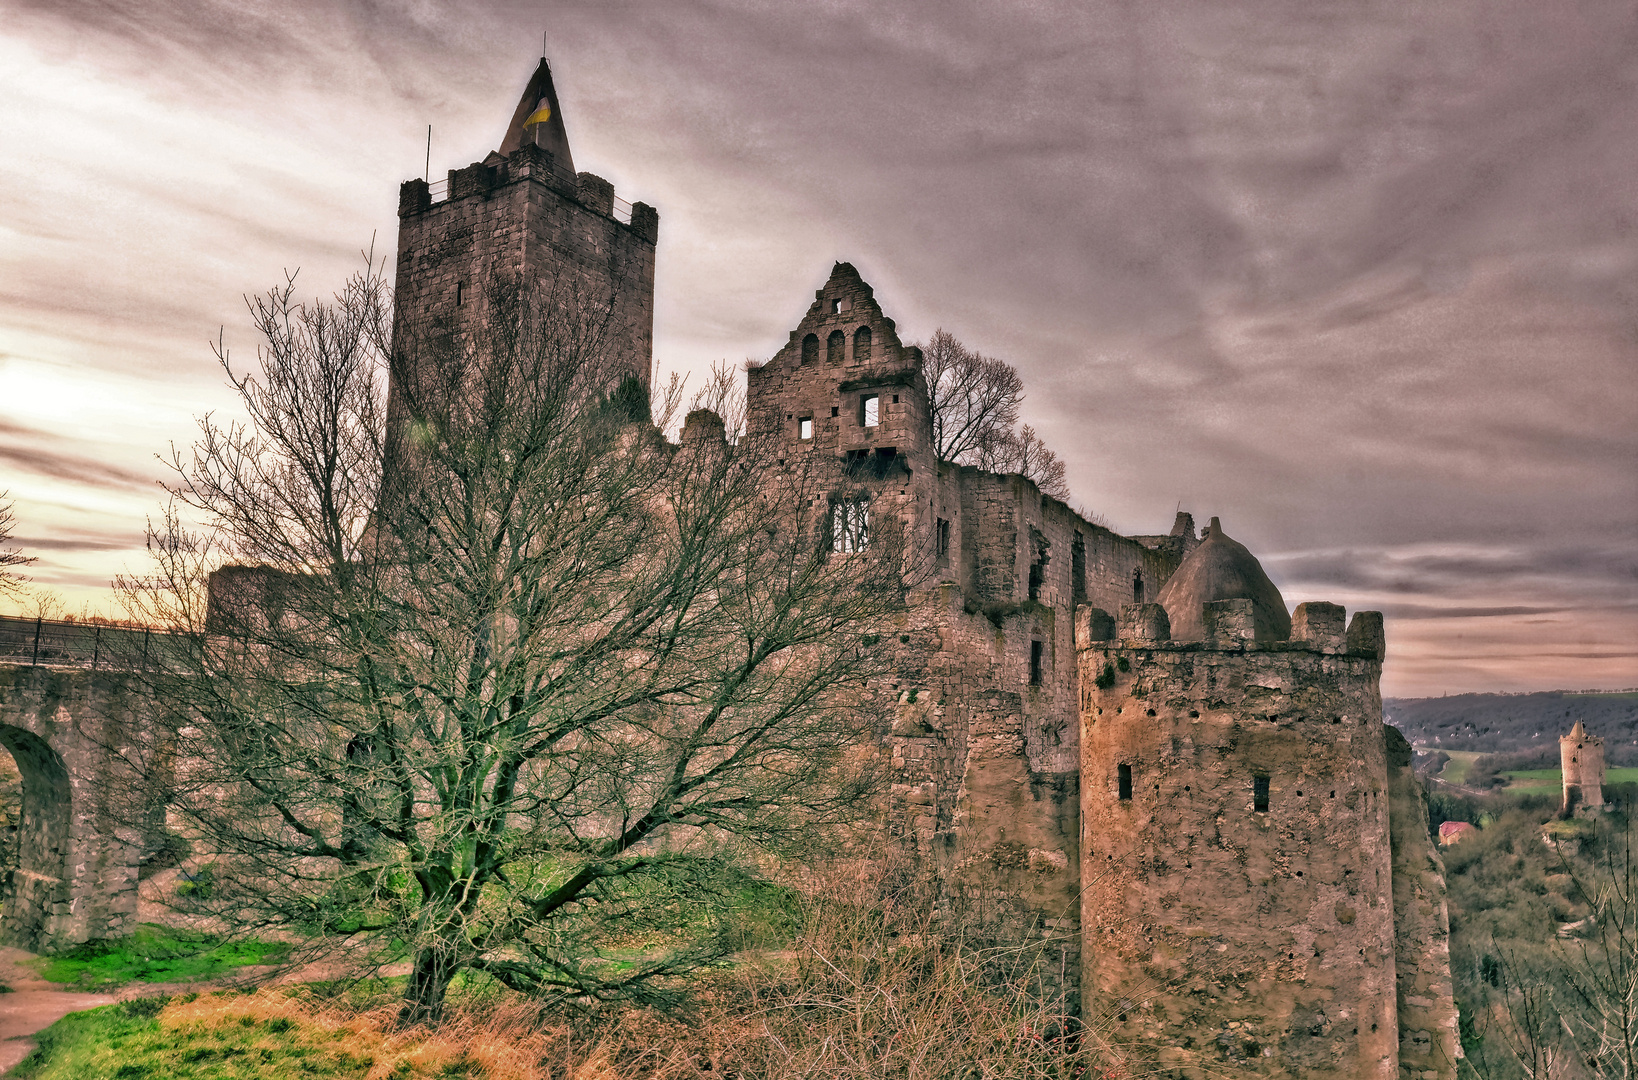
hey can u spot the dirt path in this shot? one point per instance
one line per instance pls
(32, 1005)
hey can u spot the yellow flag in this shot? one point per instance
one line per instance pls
(542, 113)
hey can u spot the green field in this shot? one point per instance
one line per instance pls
(1456, 769)
(1549, 781)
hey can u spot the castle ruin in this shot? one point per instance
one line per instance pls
(1581, 760)
(1194, 799)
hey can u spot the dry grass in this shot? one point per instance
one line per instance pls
(875, 984)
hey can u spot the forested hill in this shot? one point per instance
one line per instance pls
(1510, 723)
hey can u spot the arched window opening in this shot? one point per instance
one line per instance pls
(835, 345)
(861, 344)
(810, 348)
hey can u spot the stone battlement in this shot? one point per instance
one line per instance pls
(1316, 626)
(528, 163)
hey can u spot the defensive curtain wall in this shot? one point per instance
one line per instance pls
(73, 877)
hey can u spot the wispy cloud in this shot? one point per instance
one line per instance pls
(1361, 281)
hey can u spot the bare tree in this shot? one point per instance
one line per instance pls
(1600, 962)
(1024, 453)
(974, 402)
(534, 701)
(724, 394)
(11, 582)
(972, 398)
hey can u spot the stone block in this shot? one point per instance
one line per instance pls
(1229, 623)
(596, 193)
(1092, 624)
(1365, 635)
(1144, 623)
(1321, 625)
(414, 196)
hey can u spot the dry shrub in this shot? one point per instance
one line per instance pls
(883, 980)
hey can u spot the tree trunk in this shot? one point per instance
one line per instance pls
(435, 967)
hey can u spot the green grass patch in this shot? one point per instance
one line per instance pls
(1456, 769)
(132, 1041)
(153, 954)
(1551, 781)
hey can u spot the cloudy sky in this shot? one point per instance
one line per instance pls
(1360, 278)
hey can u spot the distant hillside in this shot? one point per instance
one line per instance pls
(1514, 723)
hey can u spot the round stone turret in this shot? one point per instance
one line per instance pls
(1222, 569)
(1582, 758)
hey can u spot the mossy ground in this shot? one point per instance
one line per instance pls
(153, 954)
(135, 1040)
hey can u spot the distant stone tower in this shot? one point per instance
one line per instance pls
(524, 215)
(1582, 759)
(1244, 883)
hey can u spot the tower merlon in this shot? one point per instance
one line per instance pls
(529, 162)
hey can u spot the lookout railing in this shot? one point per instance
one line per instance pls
(66, 643)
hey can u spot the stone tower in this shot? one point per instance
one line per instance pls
(523, 215)
(1248, 900)
(1582, 760)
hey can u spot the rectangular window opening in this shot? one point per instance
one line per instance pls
(941, 542)
(460, 292)
(804, 427)
(1077, 569)
(836, 410)
(870, 410)
(1123, 778)
(850, 525)
(1259, 794)
(1037, 659)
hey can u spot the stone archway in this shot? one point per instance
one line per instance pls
(77, 851)
(36, 893)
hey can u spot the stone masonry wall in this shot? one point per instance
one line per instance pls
(1428, 1043)
(78, 847)
(983, 739)
(521, 218)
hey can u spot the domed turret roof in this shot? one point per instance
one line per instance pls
(1222, 569)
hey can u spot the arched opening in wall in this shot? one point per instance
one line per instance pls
(33, 839)
(861, 344)
(810, 348)
(835, 345)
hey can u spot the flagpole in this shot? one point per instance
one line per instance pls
(426, 173)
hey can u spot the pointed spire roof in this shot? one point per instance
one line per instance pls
(1578, 732)
(1222, 569)
(539, 120)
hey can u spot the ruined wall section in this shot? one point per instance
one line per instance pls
(76, 878)
(1238, 907)
(984, 690)
(1428, 1041)
(523, 218)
